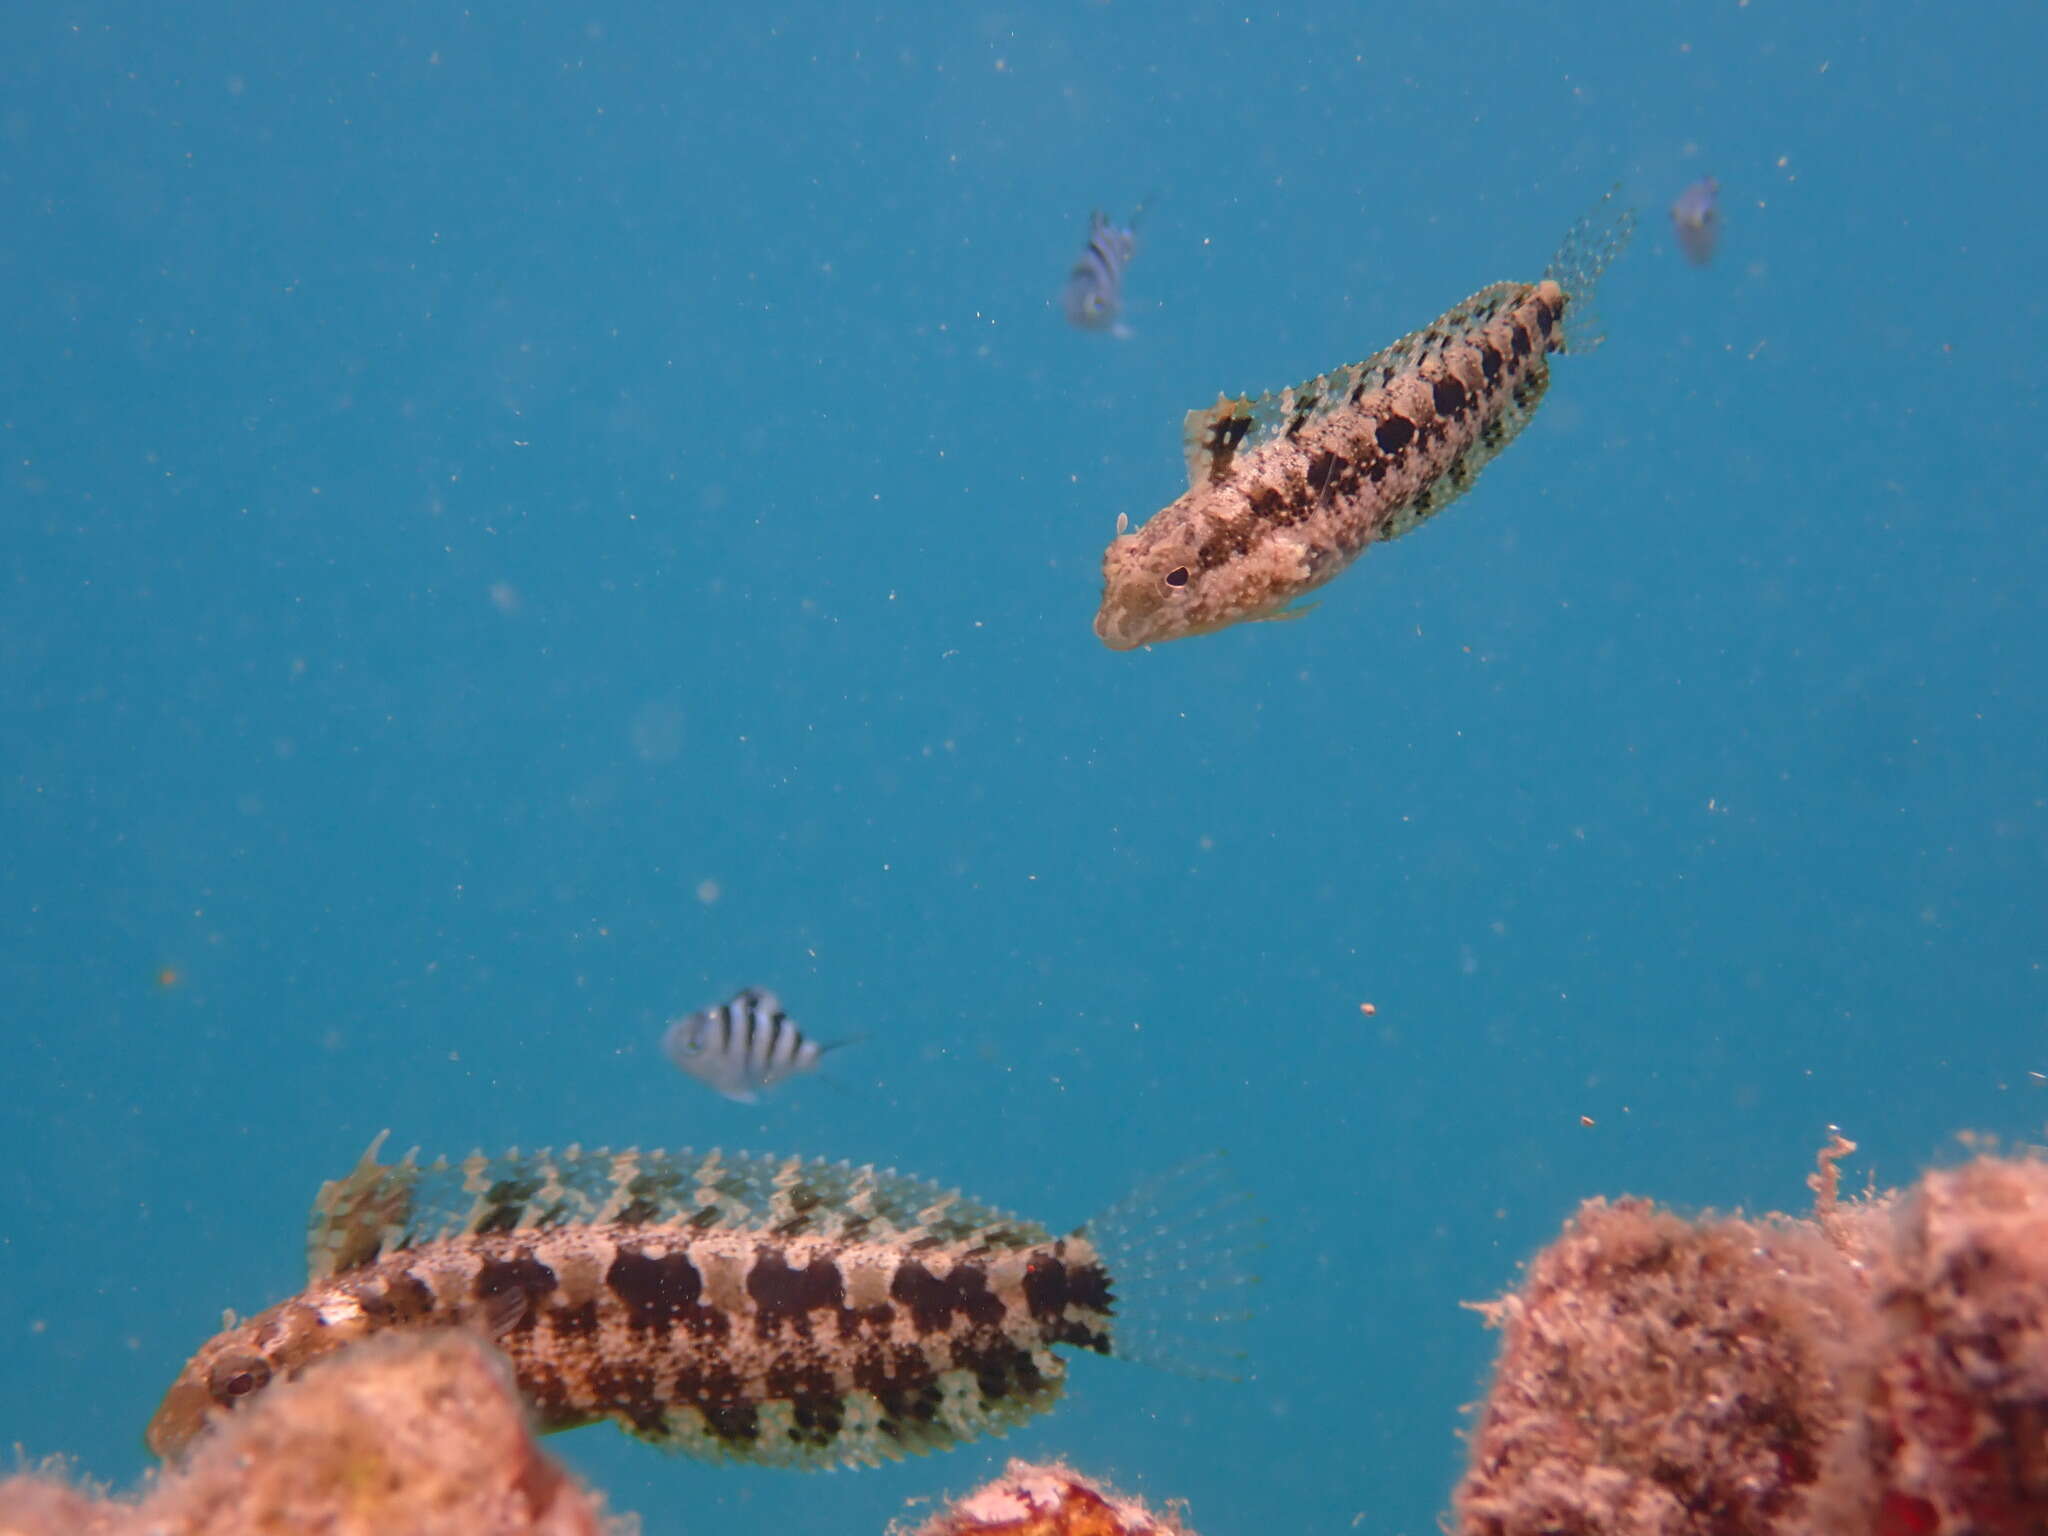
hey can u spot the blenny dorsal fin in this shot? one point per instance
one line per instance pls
(1213, 438)
(354, 1217)
(379, 1210)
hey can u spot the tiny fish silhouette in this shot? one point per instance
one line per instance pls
(743, 1047)
(1696, 220)
(1094, 295)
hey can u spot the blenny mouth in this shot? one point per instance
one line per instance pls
(185, 1411)
(1128, 617)
(1111, 633)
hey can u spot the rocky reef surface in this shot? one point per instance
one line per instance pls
(420, 1434)
(1877, 1368)
(1881, 1367)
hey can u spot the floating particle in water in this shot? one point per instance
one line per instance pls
(657, 731)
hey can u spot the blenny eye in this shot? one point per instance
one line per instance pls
(1177, 577)
(234, 1377)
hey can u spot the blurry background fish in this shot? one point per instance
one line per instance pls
(742, 1047)
(1696, 220)
(1094, 295)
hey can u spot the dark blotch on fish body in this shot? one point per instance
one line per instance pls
(783, 1294)
(657, 1292)
(933, 1300)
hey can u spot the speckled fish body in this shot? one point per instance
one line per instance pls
(759, 1309)
(1286, 490)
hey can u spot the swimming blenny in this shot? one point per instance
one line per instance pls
(773, 1310)
(1286, 490)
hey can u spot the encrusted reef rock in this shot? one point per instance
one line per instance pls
(1881, 1369)
(422, 1435)
(42, 1503)
(1660, 1375)
(1050, 1500)
(1961, 1364)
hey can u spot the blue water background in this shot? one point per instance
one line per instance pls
(473, 476)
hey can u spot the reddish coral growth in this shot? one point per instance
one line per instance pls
(424, 1435)
(1962, 1373)
(1047, 1501)
(1882, 1369)
(38, 1502)
(1659, 1375)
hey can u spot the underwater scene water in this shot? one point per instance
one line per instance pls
(522, 520)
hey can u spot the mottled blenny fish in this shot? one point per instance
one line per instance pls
(736, 1307)
(1286, 490)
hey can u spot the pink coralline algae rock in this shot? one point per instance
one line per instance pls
(1881, 1370)
(1659, 1375)
(421, 1435)
(44, 1503)
(1961, 1366)
(1051, 1500)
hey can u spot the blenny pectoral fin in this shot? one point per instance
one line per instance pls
(1288, 614)
(505, 1310)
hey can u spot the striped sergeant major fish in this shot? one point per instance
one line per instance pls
(742, 1047)
(1696, 220)
(1094, 295)
(771, 1310)
(1286, 490)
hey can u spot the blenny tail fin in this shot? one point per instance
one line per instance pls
(1600, 235)
(1178, 1250)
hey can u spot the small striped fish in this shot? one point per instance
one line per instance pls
(1094, 295)
(1696, 220)
(771, 1310)
(743, 1047)
(1286, 490)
